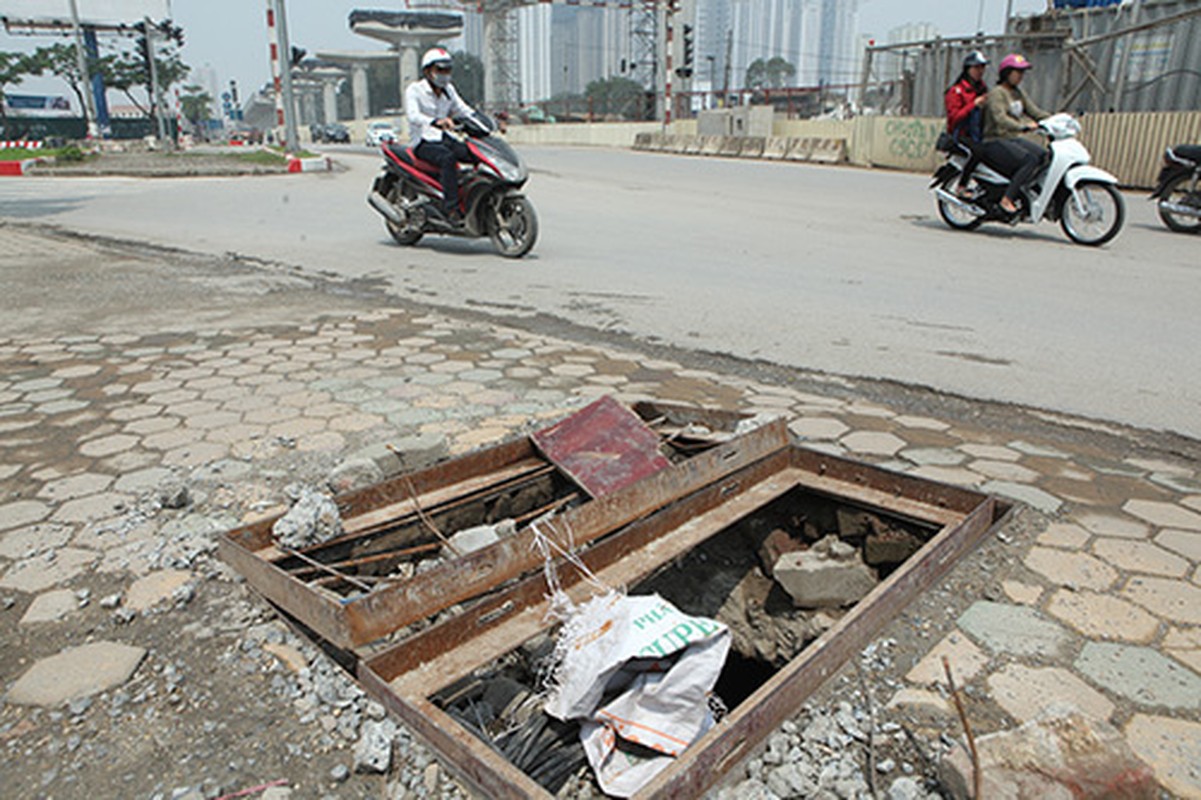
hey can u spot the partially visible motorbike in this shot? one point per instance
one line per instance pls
(408, 193)
(1084, 199)
(1178, 190)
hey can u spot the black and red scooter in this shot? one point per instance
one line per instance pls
(408, 193)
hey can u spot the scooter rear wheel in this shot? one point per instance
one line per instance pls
(1099, 219)
(951, 214)
(406, 235)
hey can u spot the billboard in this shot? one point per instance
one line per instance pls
(91, 12)
(37, 105)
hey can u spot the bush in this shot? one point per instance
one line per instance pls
(71, 154)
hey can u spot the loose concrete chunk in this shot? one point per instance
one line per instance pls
(890, 547)
(313, 519)
(288, 655)
(1059, 756)
(76, 672)
(776, 544)
(469, 540)
(373, 753)
(831, 573)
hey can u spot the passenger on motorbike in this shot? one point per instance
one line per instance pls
(1008, 113)
(965, 117)
(431, 104)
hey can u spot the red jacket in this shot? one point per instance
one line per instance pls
(961, 101)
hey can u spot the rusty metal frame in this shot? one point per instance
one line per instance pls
(406, 676)
(355, 622)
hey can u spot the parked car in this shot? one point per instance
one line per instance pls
(317, 133)
(380, 132)
(336, 132)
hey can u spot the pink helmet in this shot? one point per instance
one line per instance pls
(1014, 61)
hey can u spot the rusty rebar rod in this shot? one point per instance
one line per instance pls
(967, 728)
(325, 568)
(429, 523)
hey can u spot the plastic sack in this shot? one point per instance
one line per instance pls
(637, 672)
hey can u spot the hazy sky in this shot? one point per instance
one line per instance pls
(230, 35)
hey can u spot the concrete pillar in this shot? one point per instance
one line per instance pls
(358, 78)
(329, 89)
(409, 60)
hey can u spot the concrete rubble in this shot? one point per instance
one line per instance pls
(831, 573)
(312, 519)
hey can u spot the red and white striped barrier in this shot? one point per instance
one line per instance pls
(276, 72)
(20, 144)
(318, 164)
(17, 168)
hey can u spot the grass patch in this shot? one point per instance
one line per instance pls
(68, 153)
(263, 157)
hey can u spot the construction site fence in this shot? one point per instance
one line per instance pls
(1128, 144)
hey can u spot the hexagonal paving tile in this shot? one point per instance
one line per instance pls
(991, 452)
(1141, 675)
(818, 428)
(1030, 495)
(1065, 535)
(1164, 515)
(1103, 524)
(108, 445)
(1102, 616)
(1004, 471)
(933, 456)
(965, 657)
(1015, 630)
(1140, 557)
(1186, 543)
(1071, 569)
(1025, 692)
(1172, 747)
(873, 443)
(75, 486)
(92, 507)
(1171, 599)
(36, 574)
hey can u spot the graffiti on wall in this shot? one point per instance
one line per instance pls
(911, 139)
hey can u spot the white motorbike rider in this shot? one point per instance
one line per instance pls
(431, 104)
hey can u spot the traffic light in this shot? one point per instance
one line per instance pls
(298, 54)
(688, 49)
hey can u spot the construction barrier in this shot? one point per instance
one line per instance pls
(17, 168)
(317, 164)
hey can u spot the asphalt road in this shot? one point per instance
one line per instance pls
(836, 269)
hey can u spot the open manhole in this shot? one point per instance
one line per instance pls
(600, 469)
(469, 684)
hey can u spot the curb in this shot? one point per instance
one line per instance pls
(18, 168)
(317, 164)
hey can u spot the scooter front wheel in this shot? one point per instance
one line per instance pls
(1178, 194)
(1093, 214)
(513, 226)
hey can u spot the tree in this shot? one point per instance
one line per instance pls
(60, 60)
(772, 73)
(13, 68)
(616, 95)
(469, 77)
(197, 104)
(128, 70)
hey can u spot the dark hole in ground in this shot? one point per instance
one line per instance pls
(728, 578)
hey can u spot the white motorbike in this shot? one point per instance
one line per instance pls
(1084, 199)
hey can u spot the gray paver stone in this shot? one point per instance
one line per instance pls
(1173, 749)
(1016, 630)
(1140, 674)
(76, 672)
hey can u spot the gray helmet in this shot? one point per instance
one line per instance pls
(975, 59)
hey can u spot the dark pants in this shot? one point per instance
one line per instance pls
(446, 154)
(1020, 159)
(973, 159)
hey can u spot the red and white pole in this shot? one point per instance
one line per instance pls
(669, 34)
(276, 73)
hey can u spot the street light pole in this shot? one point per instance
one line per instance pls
(89, 103)
(291, 134)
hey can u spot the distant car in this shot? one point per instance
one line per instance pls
(317, 133)
(336, 132)
(380, 132)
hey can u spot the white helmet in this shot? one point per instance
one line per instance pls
(435, 56)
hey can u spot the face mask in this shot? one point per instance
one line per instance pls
(440, 79)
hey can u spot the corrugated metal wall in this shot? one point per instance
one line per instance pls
(1131, 144)
(1154, 70)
